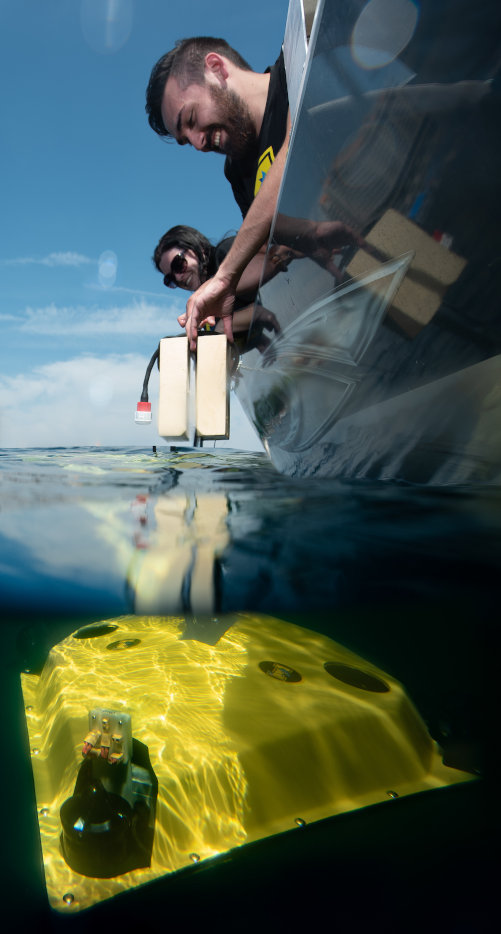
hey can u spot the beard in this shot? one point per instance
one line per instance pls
(234, 117)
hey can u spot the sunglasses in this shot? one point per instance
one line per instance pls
(178, 265)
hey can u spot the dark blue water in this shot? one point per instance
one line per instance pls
(406, 576)
(73, 520)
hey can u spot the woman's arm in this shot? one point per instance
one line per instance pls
(242, 320)
(262, 268)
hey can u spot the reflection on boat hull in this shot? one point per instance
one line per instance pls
(394, 373)
(447, 431)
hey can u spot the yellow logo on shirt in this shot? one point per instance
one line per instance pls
(263, 166)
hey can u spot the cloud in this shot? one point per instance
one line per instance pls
(89, 400)
(140, 318)
(86, 400)
(97, 287)
(53, 259)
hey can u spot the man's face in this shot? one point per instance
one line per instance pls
(209, 117)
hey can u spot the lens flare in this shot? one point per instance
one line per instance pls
(107, 269)
(382, 31)
(106, 24)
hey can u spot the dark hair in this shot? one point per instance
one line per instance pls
(186, 63)
(188, 238)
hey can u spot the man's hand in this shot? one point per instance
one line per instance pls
(214, 299)
(266, 319)
(334, 236)
(322, 241)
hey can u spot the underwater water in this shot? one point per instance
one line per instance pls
(405, 576)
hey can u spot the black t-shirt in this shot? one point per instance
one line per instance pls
(222, 249)
(246, 176)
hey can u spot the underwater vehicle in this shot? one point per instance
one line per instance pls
(158, 744)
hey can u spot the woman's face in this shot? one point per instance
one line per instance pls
(189, 278)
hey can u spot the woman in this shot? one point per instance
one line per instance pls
(186, 259)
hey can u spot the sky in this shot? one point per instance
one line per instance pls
(86, 191)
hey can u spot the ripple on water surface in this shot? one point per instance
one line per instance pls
(97, 524)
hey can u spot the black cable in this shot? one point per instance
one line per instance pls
(144, 394)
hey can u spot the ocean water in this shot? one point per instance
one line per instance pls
(406, 576)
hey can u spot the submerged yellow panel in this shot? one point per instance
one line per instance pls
(271, 725)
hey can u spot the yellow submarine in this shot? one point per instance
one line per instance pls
(153, 749)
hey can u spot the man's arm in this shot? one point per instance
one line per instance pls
(215, 297)
(262, 267)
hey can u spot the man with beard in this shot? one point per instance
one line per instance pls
(204, 93)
